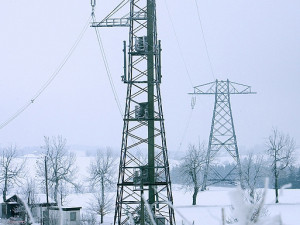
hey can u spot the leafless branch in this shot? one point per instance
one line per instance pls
(11, 170)
(60, 164)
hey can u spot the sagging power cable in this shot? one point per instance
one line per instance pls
(116, 97)
(50, 80)
(178, 44)
(187, 123)
(204, 40)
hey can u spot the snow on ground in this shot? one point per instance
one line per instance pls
(209, 203)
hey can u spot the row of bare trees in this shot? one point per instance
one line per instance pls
(61, 169)
(61, 172)
(280, 149)
(56, 171)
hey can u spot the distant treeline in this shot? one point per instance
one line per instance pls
(289, 176)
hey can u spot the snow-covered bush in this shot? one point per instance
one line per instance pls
(246, 212)
(3, 222)
(88, 219)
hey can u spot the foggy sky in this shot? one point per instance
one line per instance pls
(251, 42)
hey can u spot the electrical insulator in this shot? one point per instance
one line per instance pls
(93, 3)
(193, 103)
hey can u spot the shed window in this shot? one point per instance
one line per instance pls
(73, 216)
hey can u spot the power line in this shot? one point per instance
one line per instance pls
(50, 80)
(107, 68)
(210, 64)
(187, 125)
(179, 47)
(204, 40)
(116, 97)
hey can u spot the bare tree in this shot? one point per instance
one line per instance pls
(60, 164)
(280, 148)
(29, 195)
(63, 192)
(101, 177)
(193, 164)
(29, 192)
(88, 219)
(11, 170)
(253, 173)
(101, 205)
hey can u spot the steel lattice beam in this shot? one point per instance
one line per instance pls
(143, 121)
(222, 138)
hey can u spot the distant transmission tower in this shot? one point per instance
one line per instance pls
(222, 138)
(143, 184)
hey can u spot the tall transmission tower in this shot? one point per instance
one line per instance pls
(144, 184)
(222, 138)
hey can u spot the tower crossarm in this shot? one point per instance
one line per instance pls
(123, 21)
(113, 22)
(236, 88)
(211, 88)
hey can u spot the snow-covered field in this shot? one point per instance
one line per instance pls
(208, 210)
(210, 204)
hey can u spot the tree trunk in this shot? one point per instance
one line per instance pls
(196, 189)
(103, 199)
(276, 188)
(276, 174)
(252, 196)
(28, 203)
(5, 190)
(55, 192)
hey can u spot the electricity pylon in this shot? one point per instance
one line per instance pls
(142, 183)
(222, 138)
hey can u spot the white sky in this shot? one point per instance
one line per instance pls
(252, 42)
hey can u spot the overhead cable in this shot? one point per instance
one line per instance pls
(116, 97)
(107, 68)
(178, 44)
(50, 80)
(187, 125)
(204, 40)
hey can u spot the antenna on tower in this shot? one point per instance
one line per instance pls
(222, 138)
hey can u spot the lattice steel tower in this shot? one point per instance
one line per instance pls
(142, 181)
(222, 137)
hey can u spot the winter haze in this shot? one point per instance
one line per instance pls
(251, 42)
